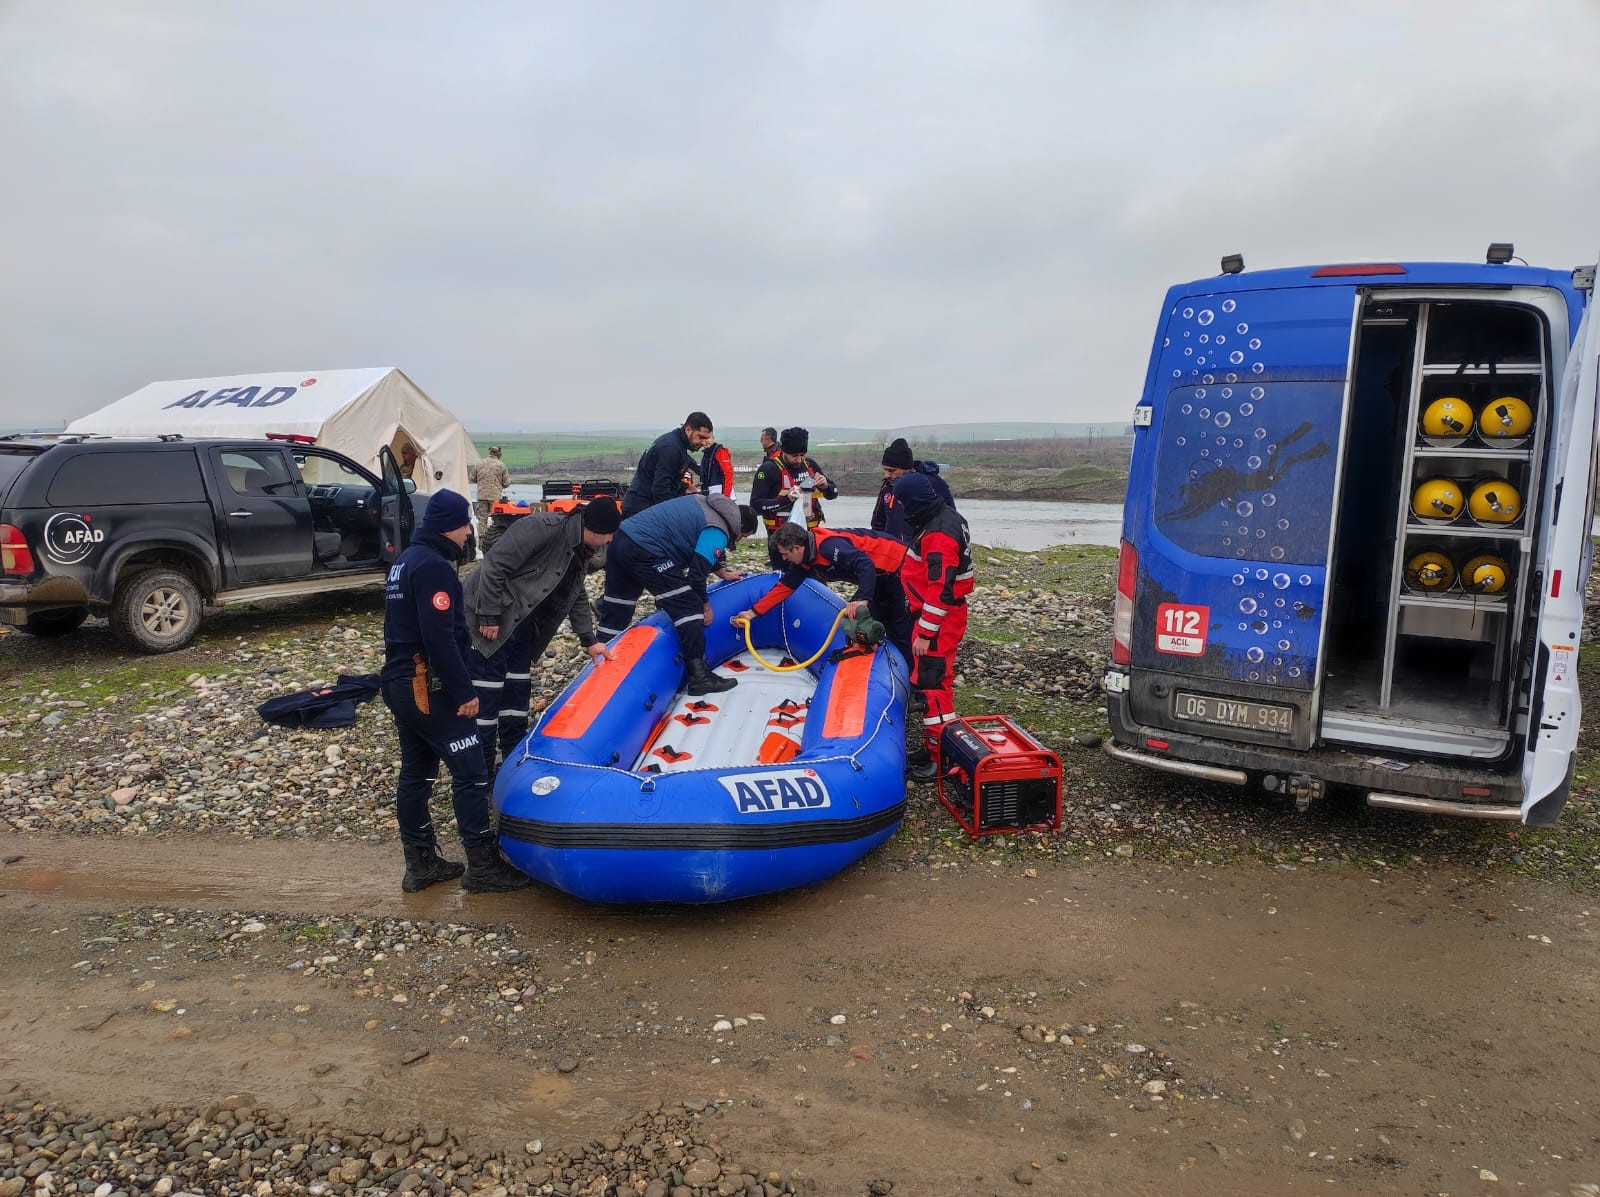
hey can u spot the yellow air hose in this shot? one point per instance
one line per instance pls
(826, 640)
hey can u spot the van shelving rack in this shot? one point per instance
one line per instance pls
(1503, 613)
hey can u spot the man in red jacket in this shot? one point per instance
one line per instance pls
(716, 470)
(937, 577)
(869, 559)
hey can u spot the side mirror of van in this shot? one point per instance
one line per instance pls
(410, 485)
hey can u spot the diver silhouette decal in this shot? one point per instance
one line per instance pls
(1224, 484)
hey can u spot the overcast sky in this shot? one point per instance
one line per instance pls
(866, 213)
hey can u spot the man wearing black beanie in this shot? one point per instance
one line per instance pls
(776, 489)
(427, 687)
(897, 461)
(528, 583)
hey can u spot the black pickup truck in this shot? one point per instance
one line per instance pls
(152, 531)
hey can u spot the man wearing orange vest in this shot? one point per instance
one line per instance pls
(776, 488)
(869, 559)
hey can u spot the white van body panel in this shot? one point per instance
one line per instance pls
(1547, 766)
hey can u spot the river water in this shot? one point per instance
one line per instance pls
(998, 523)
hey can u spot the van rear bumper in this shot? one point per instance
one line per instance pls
(1150, 760)
(1427, 785)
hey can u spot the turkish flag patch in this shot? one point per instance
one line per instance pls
(441, 601)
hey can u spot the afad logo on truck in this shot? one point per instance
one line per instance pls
(251, 396)
(68, 538)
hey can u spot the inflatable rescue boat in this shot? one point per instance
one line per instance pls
(628, 790)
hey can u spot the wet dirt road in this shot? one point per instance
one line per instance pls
(1132, 1027)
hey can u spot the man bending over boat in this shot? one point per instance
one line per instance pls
(671, 549)
(529, 582)
(871, 560)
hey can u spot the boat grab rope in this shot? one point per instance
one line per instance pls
(647, 781)
(812, 659)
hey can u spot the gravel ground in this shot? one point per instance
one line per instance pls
(95, 742)
(233, 1148)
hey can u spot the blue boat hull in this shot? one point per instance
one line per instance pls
(574, 812)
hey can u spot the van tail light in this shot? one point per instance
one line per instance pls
(1122, 607)
(15, 555)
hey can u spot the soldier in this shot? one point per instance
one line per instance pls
(492, 478)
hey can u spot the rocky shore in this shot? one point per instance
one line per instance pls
(235, 1149)
(95, 743)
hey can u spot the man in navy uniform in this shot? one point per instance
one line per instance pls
(670, 550)
(659, 474)
(428, 688)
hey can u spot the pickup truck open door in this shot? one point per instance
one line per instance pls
(397, 517)
(1556, 708)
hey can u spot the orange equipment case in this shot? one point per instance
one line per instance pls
(995, 778)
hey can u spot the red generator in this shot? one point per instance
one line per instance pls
(995, 778)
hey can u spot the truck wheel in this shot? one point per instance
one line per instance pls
(60, 622)
(156, 610)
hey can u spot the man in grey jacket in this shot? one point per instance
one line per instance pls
(670, 550)
(528, 583)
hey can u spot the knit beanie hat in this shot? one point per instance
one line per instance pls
(446, 512)
(794, 440)
(601, 515)
(898, 454)
(916, 494)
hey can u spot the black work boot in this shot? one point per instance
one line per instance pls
(425, 867)
(920, 765)
(490, 873)
(703, 681)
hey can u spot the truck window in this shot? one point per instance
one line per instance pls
(257, 472)
(318, 470)
(133, 477)
(12, 463)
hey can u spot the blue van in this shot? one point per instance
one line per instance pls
(1357, 534)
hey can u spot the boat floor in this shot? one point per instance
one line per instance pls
(760, 721)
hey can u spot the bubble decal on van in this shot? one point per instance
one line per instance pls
(1245, 458)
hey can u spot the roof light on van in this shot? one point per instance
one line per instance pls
(1353, 269)
(294, 438)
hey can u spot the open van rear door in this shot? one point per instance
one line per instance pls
(1556, 708)
(397, 516)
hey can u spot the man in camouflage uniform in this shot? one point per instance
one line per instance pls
(492, 478)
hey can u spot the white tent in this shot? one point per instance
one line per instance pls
(355, 412)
